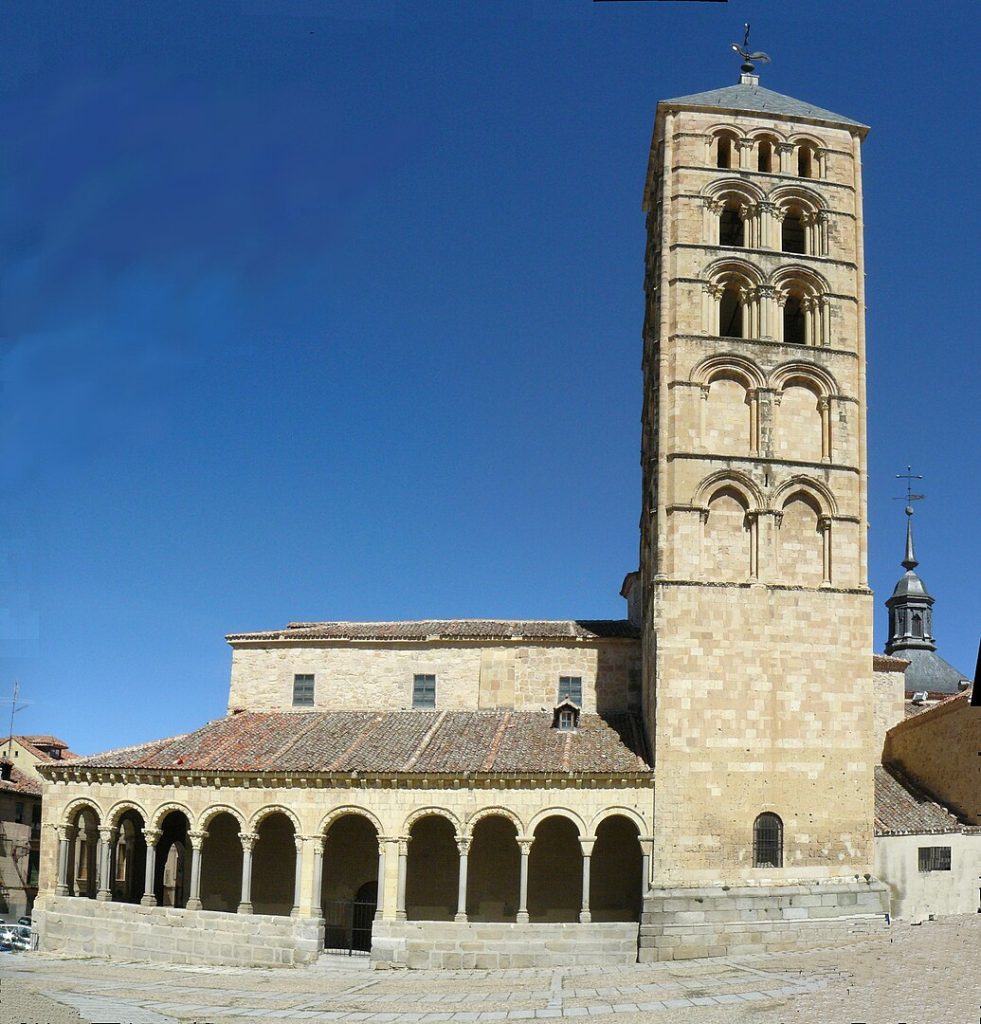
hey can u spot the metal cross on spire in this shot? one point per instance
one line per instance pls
(748, 56)
(909, 562)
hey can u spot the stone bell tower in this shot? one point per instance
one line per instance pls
(757, 613)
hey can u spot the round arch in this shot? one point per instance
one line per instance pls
(728, 268)
(210, 813)
(820, 379)
(728, 365)
(798, 195)
(162, 810)
(559, 812)
(264, 812)
(733, 480)
(426, 812)
(340, 812)
(807, 485)
(795, 275)
(643, 828)
(118, 809)
(489, 812)
(81, 803)
(725, 188)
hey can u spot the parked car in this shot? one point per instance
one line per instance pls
(24, 920)
(15, 936)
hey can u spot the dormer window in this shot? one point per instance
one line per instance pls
(565, 716)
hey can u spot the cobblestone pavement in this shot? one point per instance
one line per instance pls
(908, 975)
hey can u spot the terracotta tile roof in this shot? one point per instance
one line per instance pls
(19, 782)
(440, 742)
(33, 745)
(451, 629)
(902, 808)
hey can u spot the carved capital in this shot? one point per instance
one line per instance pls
(197, 838)
(524, 842)
(107, 834)
(152, 836)
(248, 840)
(714, 289)
(463, 845)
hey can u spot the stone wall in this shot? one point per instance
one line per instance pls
(685, 923)
(889, 687)
(938, 749)
(468, 675)
(426, 944)
(87, 927)
(917, 895)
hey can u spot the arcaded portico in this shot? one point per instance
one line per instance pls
(552, 829)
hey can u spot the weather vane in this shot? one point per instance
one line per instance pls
(748, 55)
(909, 476)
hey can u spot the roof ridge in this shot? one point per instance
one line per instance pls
(424, 742)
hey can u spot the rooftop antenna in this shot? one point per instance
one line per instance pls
(909, 562)
(14, 708)
(748, 68)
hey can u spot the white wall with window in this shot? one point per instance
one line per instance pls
(932, 874)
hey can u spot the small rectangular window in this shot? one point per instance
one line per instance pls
(570, 688)
(423, 691)
(19, 812)
(935, 858)
(303, 691)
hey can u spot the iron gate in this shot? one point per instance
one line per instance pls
(347, 926)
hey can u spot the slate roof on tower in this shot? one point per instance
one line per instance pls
(752, 97)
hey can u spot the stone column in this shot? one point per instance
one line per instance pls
(197, 842)
(824, 525)
(525, 845)
(380, 887)
(388, 858)
(310, 901)
(403, 868)
(65, 833)
(587, 855)
(248, 840)
(297, 875)
(106, 837)
(786, 152)
(463, 845)
(152, 837)
(745, 154)
(824, 407)
(646, 851)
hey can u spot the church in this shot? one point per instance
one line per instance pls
(696, 779)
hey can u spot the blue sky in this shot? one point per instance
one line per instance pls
(333, 310)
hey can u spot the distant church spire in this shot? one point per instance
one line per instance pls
(910, 614)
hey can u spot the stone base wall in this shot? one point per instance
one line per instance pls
(75, 925)
(432, 944)
(681, 923)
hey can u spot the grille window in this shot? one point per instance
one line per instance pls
(570, 688)
(935, 858)
(768, 841)
(303, 691)
(424, 691)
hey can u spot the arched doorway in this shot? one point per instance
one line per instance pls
(221, 864)
(274, 866)
(615, 887)
(494, 870)
(349, 890)
(173, 863)
(128, 859)
(555, 871)
(432, 870)
(83, 854)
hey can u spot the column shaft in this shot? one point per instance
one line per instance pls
(461, 896)
(522, 917)
(149, 898)
(403, 868)
(584, 915)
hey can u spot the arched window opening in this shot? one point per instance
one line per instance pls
(917, 624)
(83, 855)
(129, 859)
(433, 870)
(794, 323)
(349, 886)
(802, 556)
(728, 419)
(793, 237)
(494, 870)
(555, 871)
(274, 866)
(616, 882)
(221, 865)
(732, 229)
(726, 545)
(173, 863)
(805, 162)
(764, 156)
(768, 841)
(730, 313)
(724, 150)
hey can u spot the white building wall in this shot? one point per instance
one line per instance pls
(916, 894)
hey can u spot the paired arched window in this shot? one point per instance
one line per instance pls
(766, 156)
(726, 152)
(768, 841)
(732, 229)
(793, 237)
